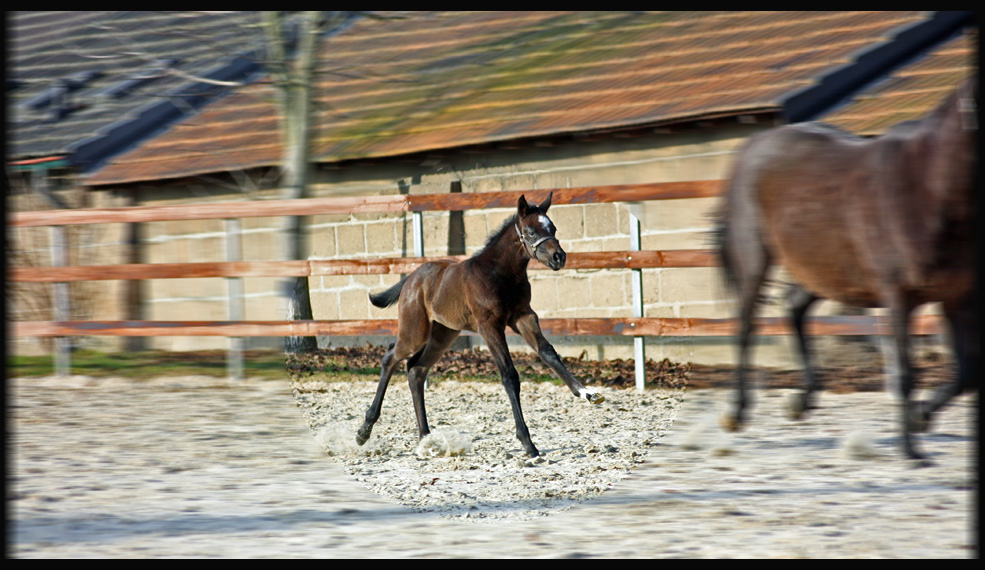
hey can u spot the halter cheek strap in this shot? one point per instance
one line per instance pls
(532, 246)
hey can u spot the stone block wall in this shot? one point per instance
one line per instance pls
(666, 225)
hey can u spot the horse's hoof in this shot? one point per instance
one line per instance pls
(920, 462)
(729, 422)
(362, 436)
(917, 459)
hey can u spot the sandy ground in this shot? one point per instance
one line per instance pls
(471, 464)
(199, 467)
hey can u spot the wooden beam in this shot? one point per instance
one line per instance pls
(362, 204)
(218, 210)
(583, 195)
(396, 265)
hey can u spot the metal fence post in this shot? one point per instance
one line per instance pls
(636, 278)
(62, 300)
(237, 312)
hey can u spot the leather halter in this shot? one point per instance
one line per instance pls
(532, 246)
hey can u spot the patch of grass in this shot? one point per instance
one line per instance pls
(150, 364)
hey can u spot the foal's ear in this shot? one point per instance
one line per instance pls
(546, 203)
(521, 207)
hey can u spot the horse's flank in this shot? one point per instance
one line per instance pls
(844, 213)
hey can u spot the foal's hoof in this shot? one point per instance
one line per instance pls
(362, 436)
(594, 397)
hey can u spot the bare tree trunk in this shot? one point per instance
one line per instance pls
(294, 79)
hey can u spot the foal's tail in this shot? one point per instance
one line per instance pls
(388, 297)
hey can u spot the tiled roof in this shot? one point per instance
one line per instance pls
(436, 80)
(83, 85)
(909, 92)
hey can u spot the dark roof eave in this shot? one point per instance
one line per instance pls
(573, 133)
(330, 160)
(873, 64)
(91, 153)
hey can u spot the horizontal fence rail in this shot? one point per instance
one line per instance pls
(313, 268)
(830, 325)
(366, 204)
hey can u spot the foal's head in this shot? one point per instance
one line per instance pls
(536, 233)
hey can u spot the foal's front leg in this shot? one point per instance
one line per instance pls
(529, 327)
(495, 338)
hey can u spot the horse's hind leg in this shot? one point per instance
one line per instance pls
(418, 366)
(750, 273)
(963, 321)
(529, 328)
(800, 301)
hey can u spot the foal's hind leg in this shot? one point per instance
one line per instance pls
(800, 301)
(529, 327)
(390, 362)
(413, 329)
(418, 366)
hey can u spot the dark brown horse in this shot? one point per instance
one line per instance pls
(485, 294)
(884, 222)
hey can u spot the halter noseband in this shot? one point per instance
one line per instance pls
(532, 246)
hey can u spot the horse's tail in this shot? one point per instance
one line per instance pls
(722, 233)
(719, 233)
(735, 231)
(388, 297)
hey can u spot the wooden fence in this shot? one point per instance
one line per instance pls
(636, 326)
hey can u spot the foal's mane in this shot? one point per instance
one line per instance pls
(508, 224)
